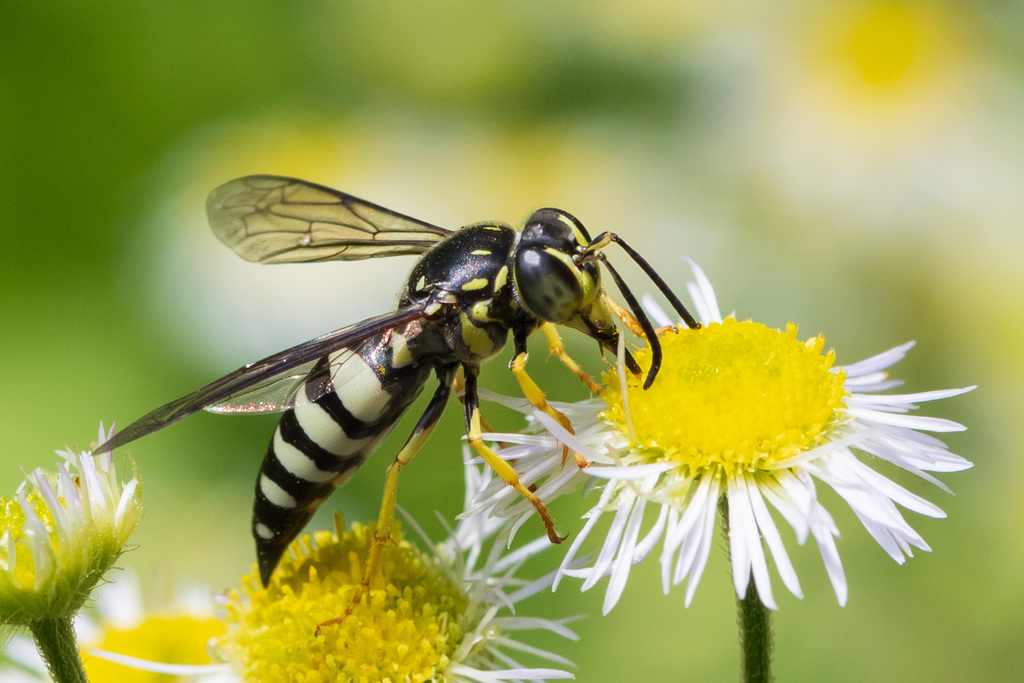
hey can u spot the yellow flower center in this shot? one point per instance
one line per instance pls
(731, 395)
(404, 629)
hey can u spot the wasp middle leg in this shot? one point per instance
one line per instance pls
(428, 420)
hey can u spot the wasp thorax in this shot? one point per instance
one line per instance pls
(549, 281)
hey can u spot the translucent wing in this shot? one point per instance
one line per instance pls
(270, 219)
(274, 395)
(260, 376)
(279, 394)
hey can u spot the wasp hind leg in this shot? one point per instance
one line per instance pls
(431, 416)
(496, 463)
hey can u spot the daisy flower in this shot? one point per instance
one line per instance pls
(742, 418)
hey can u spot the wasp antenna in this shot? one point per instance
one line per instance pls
(645, 323)
(605, 238)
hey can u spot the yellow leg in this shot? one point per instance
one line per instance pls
(535, 395)
(382, 535)
(624, 315)
(508, 474)
(558, 349)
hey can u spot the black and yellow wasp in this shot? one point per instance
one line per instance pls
(343, 392)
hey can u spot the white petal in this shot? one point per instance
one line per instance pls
(624, 562)
(629, 472)
(873, 381)
(160, 667)
(563, 435)
(603, 564)
(745, 545)
(529, 649)
(830, 557)
(504, 675)
(654, 311)
(703, 295)
(767, 528)
(570, 555)
(535, 623)
(921, 396)
(878, 362)
(791, 498)
(921, 422)
(645, 546)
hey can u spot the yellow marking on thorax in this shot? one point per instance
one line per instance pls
(481, 252)
(475, 284)
(477, 340)
(482, 311)
(501, 279)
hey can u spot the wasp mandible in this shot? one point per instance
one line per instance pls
(342, 393)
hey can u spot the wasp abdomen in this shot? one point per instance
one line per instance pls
(318, 445)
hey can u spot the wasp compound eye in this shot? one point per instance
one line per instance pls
(549, 284)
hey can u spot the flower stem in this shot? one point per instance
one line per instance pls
(55, 638)
(754, 622)
(755, 637)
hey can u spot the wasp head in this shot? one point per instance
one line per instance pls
(557, 281)
(546, 272)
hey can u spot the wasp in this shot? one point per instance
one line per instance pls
(343, 392)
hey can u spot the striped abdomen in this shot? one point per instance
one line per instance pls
(319, 444)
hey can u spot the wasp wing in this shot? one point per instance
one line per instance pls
(274, 395)
(261, 375)
(271, 219)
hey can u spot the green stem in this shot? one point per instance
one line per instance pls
(754, 623)
(55, 638)
(755, 637)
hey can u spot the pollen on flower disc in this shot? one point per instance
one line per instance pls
(731, 394)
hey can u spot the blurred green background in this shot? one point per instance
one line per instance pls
(857, 167)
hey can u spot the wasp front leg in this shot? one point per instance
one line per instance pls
(623, 314)
(431, 416)
(502, 468)
(557, 348)
(535, 395)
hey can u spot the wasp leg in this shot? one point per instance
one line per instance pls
(431, 416)
(502, 468)
(623, 314)
(535, 395)
(460, 393)
(558, 348)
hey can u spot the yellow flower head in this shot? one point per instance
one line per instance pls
(405, 629)
(428, 616)
(734, 395)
